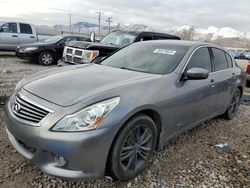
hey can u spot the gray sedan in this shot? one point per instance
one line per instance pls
(92, 120)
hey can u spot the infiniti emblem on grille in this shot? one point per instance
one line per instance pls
(17, 107)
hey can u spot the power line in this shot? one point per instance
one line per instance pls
(109, 22)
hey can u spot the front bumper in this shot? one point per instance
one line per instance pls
(27, 56)
(248, 77)
(86, 152)
(63, 63)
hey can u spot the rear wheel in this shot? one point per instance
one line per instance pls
(46, 58)
(133, 149)
(234, 105)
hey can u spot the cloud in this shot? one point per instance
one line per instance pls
(158, 14)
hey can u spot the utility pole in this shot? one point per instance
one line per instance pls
(109, 22)
(70, 22)
(99, 22)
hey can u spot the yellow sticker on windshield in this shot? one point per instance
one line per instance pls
(164, 51)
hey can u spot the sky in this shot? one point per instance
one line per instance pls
(157, 14)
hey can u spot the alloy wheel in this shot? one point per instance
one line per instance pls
(235, 102)
(136, 148)
(47, 59)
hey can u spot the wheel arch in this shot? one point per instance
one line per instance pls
(153, 114)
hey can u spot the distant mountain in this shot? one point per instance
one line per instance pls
(209, 33)
(85, 25)
(225, 36)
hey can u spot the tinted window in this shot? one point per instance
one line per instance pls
(25, 28)
(200, 59)
(148, 57)
(220, 62)
(145, 38)
(53, 40)
(229, 61)
(9, 28)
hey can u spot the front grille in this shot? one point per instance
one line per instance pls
(78, 52)
(69, 51)
(73, 55)
(77, 60)
(28, 111)
(68, 58)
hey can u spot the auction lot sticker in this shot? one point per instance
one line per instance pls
(164, 51)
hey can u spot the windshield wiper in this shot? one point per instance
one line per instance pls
(126, 68)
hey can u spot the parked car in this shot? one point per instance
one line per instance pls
(248, 74)
(244, 55)
(88, 120)
(244, 64)
(47, 52)
(86, 52)
(13, 34)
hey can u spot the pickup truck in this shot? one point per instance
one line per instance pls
(13, 34)
(78, 52)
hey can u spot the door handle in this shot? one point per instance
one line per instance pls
(233, 76)
(14, 36)
(32, 37)
(212, 83)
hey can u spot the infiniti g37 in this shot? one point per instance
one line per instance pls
(87, 121)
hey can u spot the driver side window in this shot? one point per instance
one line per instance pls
(9, 28)
(200, 59)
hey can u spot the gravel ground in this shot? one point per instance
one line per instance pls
(191, 160)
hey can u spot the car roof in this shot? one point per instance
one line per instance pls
(72, 36)
(147, 32)
(183, 43)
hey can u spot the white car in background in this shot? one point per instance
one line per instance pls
(13, 34)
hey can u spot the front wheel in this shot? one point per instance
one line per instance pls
(234, 105)
(133, 148)
(46, 58)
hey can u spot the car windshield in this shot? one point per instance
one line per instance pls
(53, 40)
(119, 38)
(149, 57)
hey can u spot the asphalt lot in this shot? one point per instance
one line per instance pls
(191, 160)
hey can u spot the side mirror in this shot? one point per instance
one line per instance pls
(196, 74)
(92, 36)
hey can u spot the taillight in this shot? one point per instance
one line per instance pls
(248, 68)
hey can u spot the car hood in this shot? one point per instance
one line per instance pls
(69, 86)
(35, 44)
(92, 45)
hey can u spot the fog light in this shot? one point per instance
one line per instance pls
(60, 161)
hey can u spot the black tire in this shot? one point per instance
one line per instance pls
(46, 58)
(138, 140)
(248, 83)
(232, 108)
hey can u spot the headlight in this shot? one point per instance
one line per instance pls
(87, 119)
(18, 86)
(88, 56)
(30, 49)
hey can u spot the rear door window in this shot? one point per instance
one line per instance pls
(220, 61)
(9, 28)
(25, 28)
(200, 59)
(229, 61)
